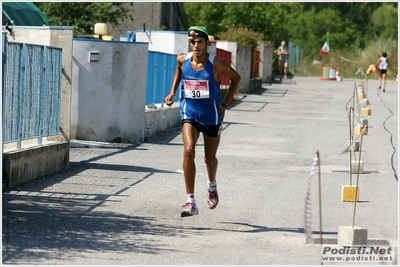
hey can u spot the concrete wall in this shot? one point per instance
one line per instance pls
(165, 41)
(108, 96)
(20, 166)
(34, 161)
(160, 119)
(260, 48)
(267, 75)
(243, 61)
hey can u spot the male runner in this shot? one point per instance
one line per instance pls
(198, 73)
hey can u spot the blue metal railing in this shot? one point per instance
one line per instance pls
(32, 93)
(160, 74)
(3, 60)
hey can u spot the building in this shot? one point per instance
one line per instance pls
(150, 16)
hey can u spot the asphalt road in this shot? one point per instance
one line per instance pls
(119, 204)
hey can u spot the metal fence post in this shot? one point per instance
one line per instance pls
(3, 56)
(43, 60)
(21, 94)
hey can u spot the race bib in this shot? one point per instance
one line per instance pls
(196, 89)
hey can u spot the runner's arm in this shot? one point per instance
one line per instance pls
(279, 52)
(221, 66)
(377, 62)
(169, 99)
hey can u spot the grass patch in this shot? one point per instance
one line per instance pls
(348, 61)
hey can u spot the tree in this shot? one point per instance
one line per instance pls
(279, 14)
(250, 15)
(309, 31)
(82, 15)
(242, 36)
(351, 25)
(204, 14)
(357, 14)
(384, 21)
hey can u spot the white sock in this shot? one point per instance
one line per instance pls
(190, 198)
(211, 185)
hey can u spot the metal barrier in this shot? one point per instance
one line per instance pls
(160, 74)
(294, 55)
(3, 60)
(32, 92)
(255, 64)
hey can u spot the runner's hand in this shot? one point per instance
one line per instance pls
(169, 99)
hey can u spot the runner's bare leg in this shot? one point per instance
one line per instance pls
(190, 135)
(210, 150)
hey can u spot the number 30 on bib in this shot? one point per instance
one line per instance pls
(196, 89)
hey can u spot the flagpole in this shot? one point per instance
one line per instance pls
(327, 38)
(325, 47)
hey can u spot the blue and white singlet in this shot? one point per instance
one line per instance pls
(200, 95)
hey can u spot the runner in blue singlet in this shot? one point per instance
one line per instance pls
(200, 91)
(201, 109)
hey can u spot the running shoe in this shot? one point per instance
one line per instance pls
(189, 209)
(383, 89)
(379, 87)
(212, 200)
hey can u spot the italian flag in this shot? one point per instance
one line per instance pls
(325, 47)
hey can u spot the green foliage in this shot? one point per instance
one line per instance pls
(315, 25)
(83, 15)
(351, 25)
(353, 59)
(384, 21)
(249, 15)
(279, 14)
(204, 14)
(164, 28)
(357, 13)
(372, 51)
(242, 36)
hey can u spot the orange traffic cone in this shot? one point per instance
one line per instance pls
(337, 75)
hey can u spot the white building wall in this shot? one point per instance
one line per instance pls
(212, 49)
(170, 42)
(230, 47)
(108, 96)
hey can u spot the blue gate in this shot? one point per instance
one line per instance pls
(32, 93)
(160, 74)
